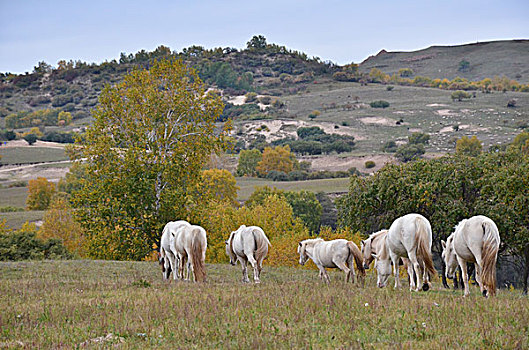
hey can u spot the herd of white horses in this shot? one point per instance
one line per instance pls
(408, 239)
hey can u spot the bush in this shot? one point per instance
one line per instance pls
(469, 146)
(61, 100)
(405, 72)
(379, 104)
(460, 95)
(314, 114)
(409, 152)
(276, 175)
(297, 175)
(418, 137)
(24, 245)
(7, 135)
(30, 138)
(389, 87)
(369, 164)
(390, 147)
(511, 103)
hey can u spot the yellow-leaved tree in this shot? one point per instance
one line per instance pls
(40, 193)
(60, 223)
(219, 185)
(279, 158)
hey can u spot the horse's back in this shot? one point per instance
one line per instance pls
(403, 233)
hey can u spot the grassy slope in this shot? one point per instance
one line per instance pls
(488, 59)
(53, 303)
(247, 185)
(487, 115)
(23, 155)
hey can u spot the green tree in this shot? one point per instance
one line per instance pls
(304, 204)
(469, 146)
(257, 42)
(409, 152)
(248, 160)
(151, 136)
(30, 138)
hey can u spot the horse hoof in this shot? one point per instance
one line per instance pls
(425, 287)
(485, 294)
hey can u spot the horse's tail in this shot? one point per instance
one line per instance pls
(489, 254)
(423, 247)
(261, 245)
(358, 258)
(198, 247)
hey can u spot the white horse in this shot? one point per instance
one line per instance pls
(474, 240)
(338, 253)
(168, 258)
(248, 244)
(190, 243)
(370, 246)
(409, 236)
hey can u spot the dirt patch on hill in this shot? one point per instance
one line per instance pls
(378, 121)
(335, 163)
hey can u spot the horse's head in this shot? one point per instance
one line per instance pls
(383, 267)
(302, 253)
(229, 250)
(449, 257)
(366, 253)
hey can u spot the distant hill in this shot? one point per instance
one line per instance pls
(485, 60)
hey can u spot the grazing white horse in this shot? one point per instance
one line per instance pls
(409, 236)
(190, 243)
(168, 258)
(338, 253)
(248, 244)
(474, 240)
(370, 246)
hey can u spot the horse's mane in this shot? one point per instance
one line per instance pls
(230, 241)
(376, 234)
(312, 241)
(382, 252)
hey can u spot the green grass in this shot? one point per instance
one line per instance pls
(13, 196)
(247, 185)
(53, 304)
(23, 155)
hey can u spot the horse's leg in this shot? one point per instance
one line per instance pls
(244, 264)
(395, 261)
(409, 269)
(478, 268)
(253, 262)
(417, 270)
(463, 266)
(323, 274)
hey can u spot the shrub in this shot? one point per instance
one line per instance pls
(405, 72)
(390, 147)
(409, 152)
(7, 135)
(30, 138)
(24, 245)
(248, 160)
(276, 175)
(379, 104)
(61, 100)
(266, 100)
(369, 164)
(469, 146)
(418, 137)
(250, 97)
(389, 87)
(314, 114)
(460, 95)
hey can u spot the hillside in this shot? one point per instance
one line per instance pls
(485, 60)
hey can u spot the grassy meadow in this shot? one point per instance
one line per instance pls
(101, 304)
(33, 154)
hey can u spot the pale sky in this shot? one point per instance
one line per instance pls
(336, 30)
